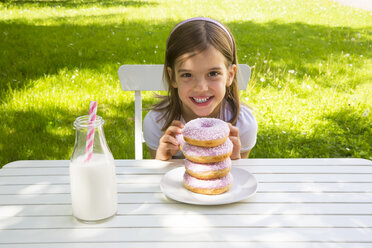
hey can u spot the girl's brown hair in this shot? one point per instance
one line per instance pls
(191, 38)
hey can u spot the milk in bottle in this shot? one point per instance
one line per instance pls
(92, 182)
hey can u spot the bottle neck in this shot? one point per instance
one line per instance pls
(83, 122)
(83, 129)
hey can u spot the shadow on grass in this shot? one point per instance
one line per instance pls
(28, 52)
(302, 48)
(352, 131)
(345, 141)
(78, 4)
(34, 135)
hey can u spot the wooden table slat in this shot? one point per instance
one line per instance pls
(37, 189)
(148, 163)
(161, 198)
(243, 208)
(153, 179)
(333, 169)
(203, 244)
(189, 234)
(190, 221)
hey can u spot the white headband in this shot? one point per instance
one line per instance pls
(207, 20)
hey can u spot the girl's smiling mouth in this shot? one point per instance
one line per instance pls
(201, 100)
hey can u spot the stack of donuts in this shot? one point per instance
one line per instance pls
(207, 149)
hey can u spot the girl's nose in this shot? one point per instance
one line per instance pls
(201, 84)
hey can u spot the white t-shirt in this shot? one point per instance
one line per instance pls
(246, 123)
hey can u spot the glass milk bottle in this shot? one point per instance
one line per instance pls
(92, 179)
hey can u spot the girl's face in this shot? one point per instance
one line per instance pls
(201, 80)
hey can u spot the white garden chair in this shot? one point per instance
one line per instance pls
(140, 78)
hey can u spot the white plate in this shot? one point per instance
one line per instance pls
(244, 185)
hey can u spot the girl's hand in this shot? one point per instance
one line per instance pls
(168, 144)
(234, 137)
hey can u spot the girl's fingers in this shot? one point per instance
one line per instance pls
(168, 144)
(236, 142)
(234, 137)
(234, 131)
(177, 123)
(166, 148)
(169, 139)
(174, 128)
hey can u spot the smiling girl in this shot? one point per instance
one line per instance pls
(200, 70)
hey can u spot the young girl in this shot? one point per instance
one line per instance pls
(200, 70)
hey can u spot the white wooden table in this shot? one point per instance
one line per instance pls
(299, 203)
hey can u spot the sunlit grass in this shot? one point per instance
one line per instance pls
(310, 85)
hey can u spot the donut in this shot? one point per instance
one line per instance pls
(208, 171)
(207, 154)
(206, 132)
(207, 187)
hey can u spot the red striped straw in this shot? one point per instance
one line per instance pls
(90, 135)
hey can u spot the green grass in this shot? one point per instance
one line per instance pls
(310, 87)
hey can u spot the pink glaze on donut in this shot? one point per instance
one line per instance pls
(197, 167)
(197, 151)
(180, 139)
(207, 184)
(206, 129)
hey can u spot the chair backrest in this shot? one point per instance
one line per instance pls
(140, 78)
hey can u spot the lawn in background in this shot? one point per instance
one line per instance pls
(310, 87)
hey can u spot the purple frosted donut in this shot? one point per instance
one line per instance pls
(207, 187)
(206, 132)
(208, 171)
(208, 154)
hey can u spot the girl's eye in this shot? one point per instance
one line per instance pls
(214, 74)
(186, 75)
